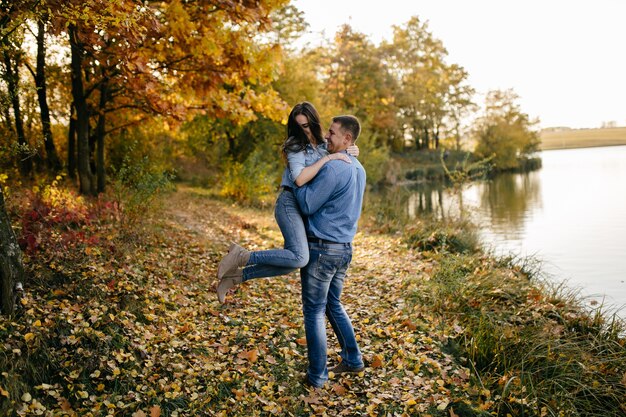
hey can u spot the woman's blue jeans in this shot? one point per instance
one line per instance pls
(295, 255)
(322, 282)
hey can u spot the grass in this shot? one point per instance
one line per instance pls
(534, 348)
(582, 138)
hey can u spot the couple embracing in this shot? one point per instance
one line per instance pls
(317, 211)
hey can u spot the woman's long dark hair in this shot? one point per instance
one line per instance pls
(296, 138)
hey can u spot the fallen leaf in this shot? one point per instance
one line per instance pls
(301, 341)
(409, 325)
(312, 399)
(139, 414)
(65, 404)
(443, 405)
(339, 389)
(251, 355)
(155, 411)
(377, 361)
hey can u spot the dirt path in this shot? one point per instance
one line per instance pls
(252, 350)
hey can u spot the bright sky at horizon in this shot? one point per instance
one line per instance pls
(561, 57)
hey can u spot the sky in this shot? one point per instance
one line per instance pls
(566, 59)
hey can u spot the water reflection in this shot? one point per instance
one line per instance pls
(569, 214)
(426, 199)
(508, 199)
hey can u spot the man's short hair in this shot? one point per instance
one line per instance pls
(349, 123)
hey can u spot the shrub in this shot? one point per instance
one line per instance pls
(135, 188)
(442, 235)
(254, 181)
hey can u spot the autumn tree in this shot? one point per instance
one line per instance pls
(505, 132)
(130, 63)
(11, 37)
(432, 93)
(459, 104)
(356, 81)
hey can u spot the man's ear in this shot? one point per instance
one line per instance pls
(348, 139)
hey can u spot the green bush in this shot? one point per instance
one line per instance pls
(135, 187)
(253, 181)
(447, 235)
(374, 158)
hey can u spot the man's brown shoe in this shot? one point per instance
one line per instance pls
(342, 368)
(307, 382)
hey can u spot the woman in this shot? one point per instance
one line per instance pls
(306, 153)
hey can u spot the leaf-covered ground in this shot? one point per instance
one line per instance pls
(144, 334)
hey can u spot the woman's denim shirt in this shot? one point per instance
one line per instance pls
(297, 161)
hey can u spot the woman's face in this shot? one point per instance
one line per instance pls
(304, 124)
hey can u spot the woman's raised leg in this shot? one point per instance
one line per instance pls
(294, 255)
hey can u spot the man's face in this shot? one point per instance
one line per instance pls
(338, 140)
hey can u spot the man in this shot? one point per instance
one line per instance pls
(332, 203)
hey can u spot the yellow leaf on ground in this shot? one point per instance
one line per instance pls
(4, 393)
(29, 336)
(251, 355)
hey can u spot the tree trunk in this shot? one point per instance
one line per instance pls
(12, 78)
(71, 145)
(11, 268)
(100, 132)
(52, 160)
(6, 113)
(85, 175)
(425, 139)
(231, 145)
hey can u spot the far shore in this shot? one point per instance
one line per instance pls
(582, 138)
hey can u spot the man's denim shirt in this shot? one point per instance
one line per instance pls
(332, 201)
(297, 161)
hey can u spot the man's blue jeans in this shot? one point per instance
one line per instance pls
(270, 263)
(322, 282)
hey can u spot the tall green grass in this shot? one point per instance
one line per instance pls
(535, 349)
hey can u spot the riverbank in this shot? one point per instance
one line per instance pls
(582, 138)
(134, 329)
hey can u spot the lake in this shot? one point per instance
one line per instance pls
(570, 214)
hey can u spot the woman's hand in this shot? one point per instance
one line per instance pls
(339, 155)
(353, 150)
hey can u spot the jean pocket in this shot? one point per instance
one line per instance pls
(328, 265)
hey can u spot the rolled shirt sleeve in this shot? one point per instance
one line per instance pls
(296, 162)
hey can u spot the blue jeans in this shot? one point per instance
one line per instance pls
(322, 282)
(270, 263)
